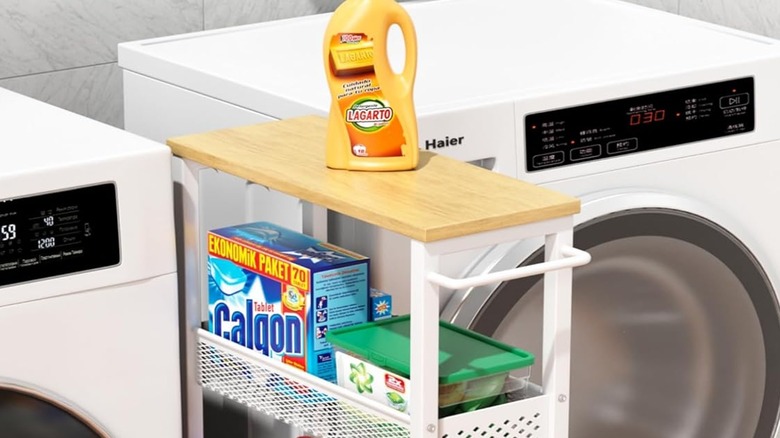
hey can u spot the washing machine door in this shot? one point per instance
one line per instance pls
(27, 412)
(675, 328)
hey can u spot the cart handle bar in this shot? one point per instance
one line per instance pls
(573, 257)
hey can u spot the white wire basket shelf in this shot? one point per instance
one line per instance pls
(326, 410)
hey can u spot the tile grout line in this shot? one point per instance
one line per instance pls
(58, 70)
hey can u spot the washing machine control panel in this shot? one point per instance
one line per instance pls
(58, 233)
(613, 128)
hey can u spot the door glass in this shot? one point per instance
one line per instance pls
(674, 327)
(25, 415)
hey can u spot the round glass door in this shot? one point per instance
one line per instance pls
(29, 413)
(675, 330)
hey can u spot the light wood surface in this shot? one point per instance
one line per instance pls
(442, 198)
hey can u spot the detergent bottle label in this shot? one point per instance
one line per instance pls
(373, 129)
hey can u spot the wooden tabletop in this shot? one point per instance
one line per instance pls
(442, 198)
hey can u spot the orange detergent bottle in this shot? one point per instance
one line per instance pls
(372, 124)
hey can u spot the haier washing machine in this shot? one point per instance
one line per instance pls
(664, 126)
(88, 287)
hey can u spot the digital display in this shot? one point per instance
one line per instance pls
(618, 127)
(58, 233)
(646, 117)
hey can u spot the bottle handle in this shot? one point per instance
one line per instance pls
(405, 80)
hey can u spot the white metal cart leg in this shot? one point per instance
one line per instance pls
(190, 208)
(424, 343)
(556, 340)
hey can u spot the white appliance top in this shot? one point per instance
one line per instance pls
(467, 50)
(38, 136)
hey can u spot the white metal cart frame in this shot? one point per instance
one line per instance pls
(328, 410)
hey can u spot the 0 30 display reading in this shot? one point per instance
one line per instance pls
(646, 117)
(58, 233)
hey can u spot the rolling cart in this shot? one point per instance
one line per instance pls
(444, 206)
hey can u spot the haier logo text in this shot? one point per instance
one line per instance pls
(436, 143)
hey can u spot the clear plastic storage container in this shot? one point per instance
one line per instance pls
(475, 371)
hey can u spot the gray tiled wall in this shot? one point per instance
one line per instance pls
(94, 91)
(49, 35)
(757, 16)
(664, 5)
(224, 13)
(64, 51)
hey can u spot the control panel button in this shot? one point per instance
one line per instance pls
(585, 152)
(734, 100)
(548, 159)
(622, 146)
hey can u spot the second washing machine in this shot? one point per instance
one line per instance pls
(662, 125)
(89, 312)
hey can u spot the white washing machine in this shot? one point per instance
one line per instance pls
(88, 287)
(665, 127)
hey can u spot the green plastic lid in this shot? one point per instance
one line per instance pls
(463, 354)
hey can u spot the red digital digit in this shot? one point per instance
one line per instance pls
(635, 119)
(659, 115)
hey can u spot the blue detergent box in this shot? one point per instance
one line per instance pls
(380, 305)
(278, 292)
